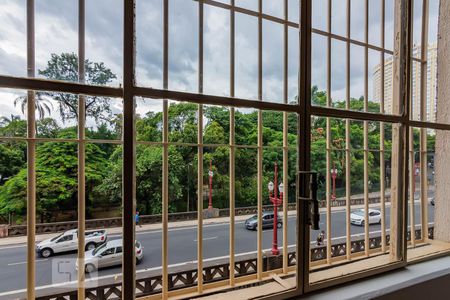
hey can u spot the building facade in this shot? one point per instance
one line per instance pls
(431, 78)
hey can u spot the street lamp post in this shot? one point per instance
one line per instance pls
(188, 185)
(211, 174)
(333, 176)
(273, 196)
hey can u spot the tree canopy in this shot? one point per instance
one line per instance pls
(56, 163)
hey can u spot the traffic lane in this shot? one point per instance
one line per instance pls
(182, 247)
(338, 223)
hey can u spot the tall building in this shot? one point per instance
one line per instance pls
(415, 84)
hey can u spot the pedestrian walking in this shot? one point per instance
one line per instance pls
(136, 219)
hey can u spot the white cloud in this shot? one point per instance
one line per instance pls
(56, 32)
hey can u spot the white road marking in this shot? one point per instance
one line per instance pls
(24, 262)
(157, 268)
(12, 247)
(207, 239)
(180, 228)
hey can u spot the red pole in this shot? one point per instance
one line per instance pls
(333, 175)
(275, 250)
(414, 182)
(210, 185)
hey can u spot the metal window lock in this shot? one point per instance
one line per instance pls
(313, 216)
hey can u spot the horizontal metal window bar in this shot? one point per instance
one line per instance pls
(351, 41)
(250, 13)
(429, 125)
(212, 100)
(58, 86)
(355, 115)
(57, 140)
(149, 143)
(355, 150)
(76, 88)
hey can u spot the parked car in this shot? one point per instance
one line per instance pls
(107, 255)
(68, 241)
(358, 217)
(267, 221)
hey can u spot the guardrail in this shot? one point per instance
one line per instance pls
(41, 228)
(183, 279)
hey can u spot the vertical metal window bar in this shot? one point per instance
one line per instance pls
(328, 141)
(200, 153)
(423, 114)
(165, 158)
(411, 159)
(412, 167)
(348, 191)
(366, 130)
(31, 156)
(81, 150)
(400, 132)
(304, 143)
(129, 159)
(232, 146)
(382, 148)
(260, 148)
(285, 141)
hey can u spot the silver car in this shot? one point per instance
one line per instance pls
(108, 254)
(358, 217)
(267, 221)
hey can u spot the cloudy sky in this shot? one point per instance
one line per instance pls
(56, 32)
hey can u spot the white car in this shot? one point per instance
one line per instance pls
(68, 241)
(358, 217)
(107, 255)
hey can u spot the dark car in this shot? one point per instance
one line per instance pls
(267, 221)
(432, 201)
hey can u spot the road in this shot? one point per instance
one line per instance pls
(182, 248)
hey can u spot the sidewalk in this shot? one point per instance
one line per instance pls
(18, 240)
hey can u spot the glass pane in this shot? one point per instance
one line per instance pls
(248, 4)
(216, 73)
(13, 218)
(104, 42)
(338, 72)
(56, 46)
(272, 81)
(183, 45)
(357, 20)
(338, 17)
(319, 70)
(273, 8)
(348, 181)
(319, 14)
(13, 116)
(149, 43)
(13, 48)
(246, 56)
(375, 22)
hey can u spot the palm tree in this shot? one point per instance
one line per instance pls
(4, 121)
(43, 105)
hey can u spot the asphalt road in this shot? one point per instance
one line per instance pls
(182, 248)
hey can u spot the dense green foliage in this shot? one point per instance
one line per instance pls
(56, 162)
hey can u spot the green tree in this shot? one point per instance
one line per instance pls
(13, 126)
(56, 179)
(65, 67)
(47, 128)
(12, 159)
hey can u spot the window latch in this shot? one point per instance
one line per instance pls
(313, 216)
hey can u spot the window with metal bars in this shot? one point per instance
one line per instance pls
(213, 106)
